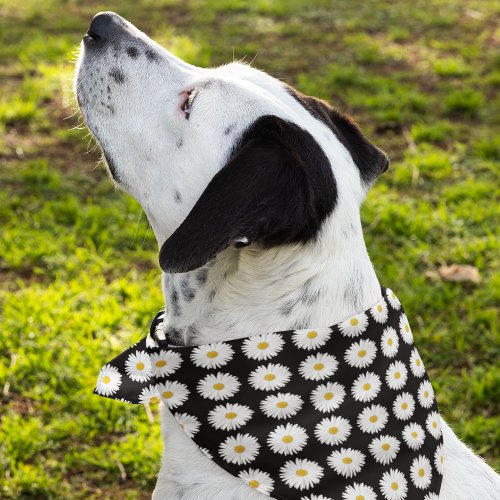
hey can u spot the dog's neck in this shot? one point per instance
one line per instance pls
(248, 291)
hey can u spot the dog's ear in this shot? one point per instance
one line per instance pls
(370, 160)
(277, 187)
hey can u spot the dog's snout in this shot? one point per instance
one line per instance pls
(105, 26)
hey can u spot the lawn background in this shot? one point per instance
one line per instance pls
(78, 264)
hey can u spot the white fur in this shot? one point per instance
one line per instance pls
(246, 288)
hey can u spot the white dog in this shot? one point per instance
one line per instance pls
(248, 244)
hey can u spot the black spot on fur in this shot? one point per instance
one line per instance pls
(370, 160)
(132, 52)
(211, 295)
(187, 291)
(179, 143)
(229, 129)
(175, 336)
(202, 276)
(152, 55)
(174, 299)
(177, 197)
(117, 75)
(109, 89)
(287, 307)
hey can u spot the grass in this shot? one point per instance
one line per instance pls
(78, 265)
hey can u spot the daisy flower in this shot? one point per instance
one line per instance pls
(426, 394)
(361, 354)
(316, 497)
(281, 405)
(389, 342)
(396, 375)
(439, 459)
(433, 424)
(262, 346)
(190, 425)
(333, 430)
(404, 406)
(164, 363)
(301, 474)
(270, 377)
(311, 339)
(258, 480)
(172, 393)
(229, 416)
(206, 452)
(151, 342)
(287, 439)
(138, 366)
(393, 300)
(379, 312)
(212, 355)
(239, 449)
(431, 496)
(404, 329)
(384, 449)
(358, 491)
(372, 419)
(318, 366)
(346, 461)
(414, 436)
(416, 365)
(149, 395)
(218, 386)
(393, 485)
(108, 381)
(328, 397)
(354, 326)
(421, 472)
(366, 387)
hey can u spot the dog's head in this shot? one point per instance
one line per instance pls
(220, 157)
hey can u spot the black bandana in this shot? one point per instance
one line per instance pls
(345, 411)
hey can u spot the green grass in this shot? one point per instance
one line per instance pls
(79, 278)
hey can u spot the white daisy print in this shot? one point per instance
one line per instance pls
(346, 461)
(151, 342)
(318, 366)
(287, 439)
(433, 424)
(361, 354)
(393, 300)
(379, 312)
(354, 326)
(384, 449)
(189, 424)
(258, 480)
(421, 472)
(431, 496)
(311, 339)
(270, 377)
(262, 346)
(164, 363)
(149, 395)
(359, 491)
(281, 405)
(206, 452)
(172, 393)
(426, 394)
(108, 381)
(328, 397)
(239, 449)
(393, 485)
(229, 416)
(212, 355)
(333, 430)
(405, 329)
(316, 497)
(416, 364)
(219, 386)
(373, 419)
(414, 436)
(301, 474)
(366, 387)
(138, 366)
(439, 459)
(404, 406)
(396, 375)
(389, 342)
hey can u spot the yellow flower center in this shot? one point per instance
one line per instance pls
(389, 342)
(328, 396)
(407, 328)
(421, 472)
(160, 363)
(426, 394)
(167, 394)
(354, 321)
(287, 439)
(373, 419)
(140, 366)
(366, 387)
(414, 434)
(347, 460)
(262, 345)
(230, 415)
(417, 362)
(385, 446)
(434, 424)
(269, 377)
(319, 366)
(106, 379)
(360, 497)
(301, 472)
(362, 353)
(379, 308)
(153, 400)
(404, 406)
(282, 404)
(397, 375)
(212, 354)
(239, 448)
(333, 430)
(254, 483)
(312, 334)
(218, 386)
(394, 486)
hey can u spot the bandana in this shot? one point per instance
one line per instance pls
(345, 411)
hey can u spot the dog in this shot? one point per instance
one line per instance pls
(253, 191)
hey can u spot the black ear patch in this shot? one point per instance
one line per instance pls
(277, 187)
(370, 160)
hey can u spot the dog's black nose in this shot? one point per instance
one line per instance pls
(105, 26)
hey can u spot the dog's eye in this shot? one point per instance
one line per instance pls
(187, 105)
